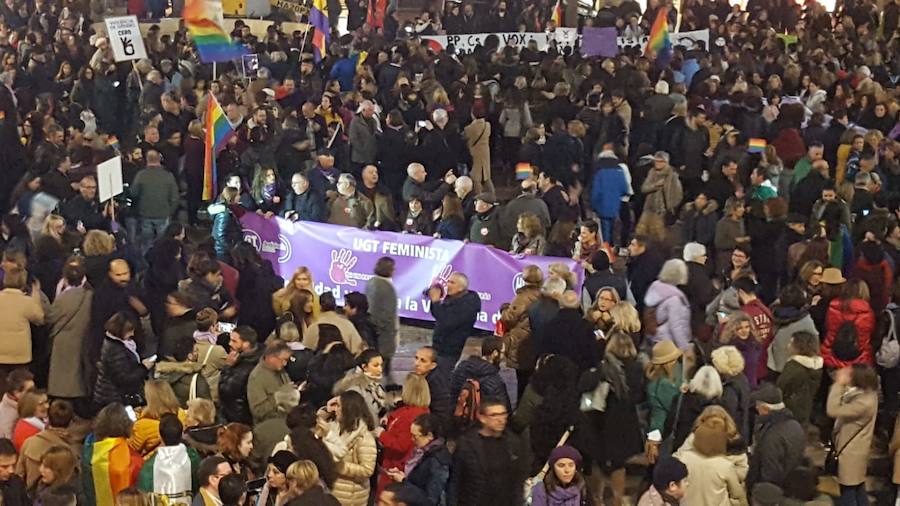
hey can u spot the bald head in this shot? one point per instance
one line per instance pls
(119, 272)
(309, 110)
(153, 158)
(416, 172)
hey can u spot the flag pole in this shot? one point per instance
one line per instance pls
(214, 71)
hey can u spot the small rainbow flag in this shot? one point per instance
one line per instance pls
(318, 20)
(557, 15)
(204, 20)
(218, 131)
(523, 171)
(659, 44)
(756, 145)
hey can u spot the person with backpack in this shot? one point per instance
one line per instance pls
(491, 462)
(848, 328)
(477, 377)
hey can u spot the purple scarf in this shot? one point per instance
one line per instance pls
(418, 453)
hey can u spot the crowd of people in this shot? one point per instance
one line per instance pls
(734, 207)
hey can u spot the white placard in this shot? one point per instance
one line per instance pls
(109, 178)
(125, 38)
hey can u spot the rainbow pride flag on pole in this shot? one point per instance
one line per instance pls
(659, 44)
(557, 15)
(218, 131)
(756, 145)
(110, 467)
(204, 20)
(318, 20)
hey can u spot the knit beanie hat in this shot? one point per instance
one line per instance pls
(282, 460)
(667, 470)
(565, 452)
(711, 437)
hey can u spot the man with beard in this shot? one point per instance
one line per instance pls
(116, 293)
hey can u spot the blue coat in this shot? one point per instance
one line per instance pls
(610, 185)
(309, 206)
(432, 473)
(454, 322)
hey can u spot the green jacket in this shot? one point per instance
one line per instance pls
(261, 387)
(155, 193)
(661, 395)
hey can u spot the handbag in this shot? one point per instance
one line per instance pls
(192, 394)
(831, 458)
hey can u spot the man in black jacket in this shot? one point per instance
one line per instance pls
(437, 374)
(454, 316)
(82, 212)
(491, 463)
(241, 360)
(779, 439)
(303, 203)
(485, 370)
(643, 266)
(12, 487)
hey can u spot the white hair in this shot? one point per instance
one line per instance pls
(440, 115)
(347, 178)
(463, 182)
(707, 382)
(461, 278)
(553, 287)
(673, 272)
(413, 167)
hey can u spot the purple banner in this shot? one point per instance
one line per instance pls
(342, 260)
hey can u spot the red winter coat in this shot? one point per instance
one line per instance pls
(863, 318)
(397, 441)
(880, 280)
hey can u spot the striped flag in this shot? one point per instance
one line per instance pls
(557, 15)
(204, 21)
(659, 44)
(112, 467)
(218, 131)
(318, 19)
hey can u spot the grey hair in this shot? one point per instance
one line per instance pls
(7, 77)
(286, 398)
(347, 178)
(463, 182)
(462, 278)
(411, 168)
(673, 272)
(707, 382)
(440, 115)
(553, 287)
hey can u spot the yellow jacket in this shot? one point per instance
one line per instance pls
(840, 170)
(145, 433)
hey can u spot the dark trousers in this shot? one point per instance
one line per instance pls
(522, 378)
(854, 495)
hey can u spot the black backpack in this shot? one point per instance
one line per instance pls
(845, 346)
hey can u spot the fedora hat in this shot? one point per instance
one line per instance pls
(664, 352)
(833, 276)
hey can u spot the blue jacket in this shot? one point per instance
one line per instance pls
(309, 206)
(610, 185)
(344, 70)
(432, 473)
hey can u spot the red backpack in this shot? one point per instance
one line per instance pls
(467, 404)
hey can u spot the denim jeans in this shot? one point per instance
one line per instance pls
(854, 495)
(607, 225)
(151, 229)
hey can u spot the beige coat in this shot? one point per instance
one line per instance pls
(212, 360)
(34, 448)
(854, 412)
(714, 481)
(69, 320)
(478, 137)
(355, 454)
(518, 333)
(19, 312)
(352, 341)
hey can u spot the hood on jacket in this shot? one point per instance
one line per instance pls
(813, 363)
(217, 208)
(203, 436)
(785, 315)
(660, 292)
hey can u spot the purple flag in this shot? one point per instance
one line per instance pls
(599, 42)
(342, 260)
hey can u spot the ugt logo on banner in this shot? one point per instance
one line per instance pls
(282, 247)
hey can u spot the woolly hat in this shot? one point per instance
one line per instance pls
(282, 460)
(711, 437)
(565, 452)
(667, 470)
(768, 394)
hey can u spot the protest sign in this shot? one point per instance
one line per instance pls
(342, 260)
(599, 41)
(109, 179)
(125, 38)
(466, 43)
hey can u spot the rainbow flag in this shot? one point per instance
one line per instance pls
(218, 131)
(204, 20)
(109, 467)
(557, 15)
(756, 145)
(318, 19)
(659, 44)
(523, 171)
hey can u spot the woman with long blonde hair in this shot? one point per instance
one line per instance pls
(161, 400)
(302, 279)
